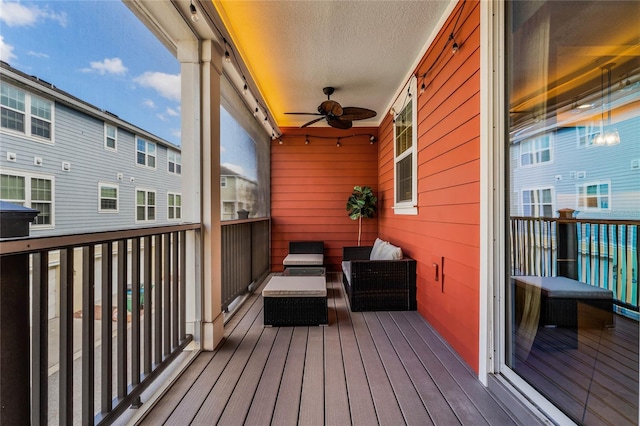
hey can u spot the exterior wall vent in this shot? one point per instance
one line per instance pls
(120, 176)
(558, 178)
(581, 175)
(635, 164)
(572, 175)
(37, 161)
(66, 166)
(12, 156)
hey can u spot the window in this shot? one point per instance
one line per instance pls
(593, 196)
(586, 134)
(145, 205)
(174, 206)
(31, 191)
(535, 151)
(405, 152)
(108, 198)
(223, 181)
(537, 202)
(175, 162)
(110, 137)
(145, 153)
(25, 113)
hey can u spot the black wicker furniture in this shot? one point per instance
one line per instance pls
(378, 285)
(304, 253)
(295, 300)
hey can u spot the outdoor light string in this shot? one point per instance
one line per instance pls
(229, 57)
(372, 138)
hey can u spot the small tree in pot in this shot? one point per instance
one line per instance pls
(361, 203)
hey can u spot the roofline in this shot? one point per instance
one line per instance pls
(63, 97)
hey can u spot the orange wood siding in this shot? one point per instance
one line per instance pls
(446, 231)
(310, 185)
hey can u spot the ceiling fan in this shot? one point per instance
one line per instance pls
(336, 115)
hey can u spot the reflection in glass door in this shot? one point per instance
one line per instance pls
(574, 204)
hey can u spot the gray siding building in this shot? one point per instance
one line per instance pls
(83, 168)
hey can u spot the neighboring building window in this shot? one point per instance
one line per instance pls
(405, 151)
(174, 206)
(175, 162)
(586, 134)
(25, 113)
(108, 198)
(594, 196)
(537, 202)
(110, 137)
(536, 151)
(145, 205)
(223, 181)
(146, 153)
(35, 192)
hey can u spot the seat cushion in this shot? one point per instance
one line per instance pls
(295, 286)
(303, 259)
(346, 270)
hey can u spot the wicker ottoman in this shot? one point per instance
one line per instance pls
(295, 300)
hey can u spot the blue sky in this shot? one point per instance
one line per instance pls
(99, 52)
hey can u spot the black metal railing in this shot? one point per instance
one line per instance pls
(603, 253)
(245, 256)
(140, 280)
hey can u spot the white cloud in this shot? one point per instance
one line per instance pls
(14, 14)
(6, 51)
(234, 168)
(111, 66)
(172, 112)
(149, 104)
(38, 54)
(176, 132)
(167, 85)
(161, 117)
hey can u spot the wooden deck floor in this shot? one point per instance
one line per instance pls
(364, 368)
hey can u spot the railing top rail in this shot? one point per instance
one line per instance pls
(592, 221)
(34, 244)
(237, 221)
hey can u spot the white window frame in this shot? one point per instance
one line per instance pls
(408, 95)
(108, 126)
(536, 150)
(537, 206)
(146, 153)
(176, 158)
(598, 196)
(146, 205)
(223, 181)
(177, 208)
(29, 116)
(28, 202)
(585, 135)
(108, 185)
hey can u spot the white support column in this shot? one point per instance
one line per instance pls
(212, 317)
(191, 137)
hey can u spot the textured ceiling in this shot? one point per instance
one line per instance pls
(365, 49)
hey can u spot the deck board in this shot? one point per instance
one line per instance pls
(364, 368)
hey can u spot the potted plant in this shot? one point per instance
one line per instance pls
(361, 203)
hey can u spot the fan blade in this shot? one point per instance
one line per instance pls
(354, 113)
(339, 123)
(330, 108)
(302, 113)
(311, 122)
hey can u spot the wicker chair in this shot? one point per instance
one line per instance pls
(378, 285)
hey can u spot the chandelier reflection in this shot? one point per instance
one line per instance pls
(607, 136)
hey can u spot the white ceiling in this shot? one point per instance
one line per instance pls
(365, 49)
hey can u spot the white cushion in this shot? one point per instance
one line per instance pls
(346, 270)
(303, 259)
(377, 247)
(295, 286)
(382, 250)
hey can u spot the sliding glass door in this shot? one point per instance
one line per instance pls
(573, 198)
